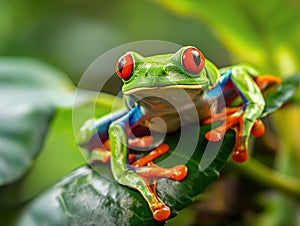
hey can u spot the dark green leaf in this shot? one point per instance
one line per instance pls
(29, 91)
(86, 197)
(277, 96)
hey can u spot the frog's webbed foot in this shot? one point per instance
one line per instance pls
(150, 172)
(233, 118)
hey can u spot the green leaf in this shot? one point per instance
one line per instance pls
(29, 92)
(283, 93)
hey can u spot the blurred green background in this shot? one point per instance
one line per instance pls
(70, 35)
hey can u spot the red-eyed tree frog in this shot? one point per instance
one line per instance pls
(150, 86)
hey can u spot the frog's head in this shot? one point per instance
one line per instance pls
(164, 74)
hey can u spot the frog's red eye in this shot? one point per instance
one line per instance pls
(193, 60)
(124, 66)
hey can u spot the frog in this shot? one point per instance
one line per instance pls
(149, 83)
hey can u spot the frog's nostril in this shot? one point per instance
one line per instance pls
(164, 72)
(166, 69)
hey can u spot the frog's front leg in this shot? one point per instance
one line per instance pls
(137, 176)
(243, 81)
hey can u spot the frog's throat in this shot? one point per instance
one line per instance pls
(158, 88)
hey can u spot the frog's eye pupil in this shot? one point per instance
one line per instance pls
(120, 65)
(124, 66)
(196, 57)
(193, 60)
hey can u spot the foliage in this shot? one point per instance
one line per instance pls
(264, 33)
(37, 140)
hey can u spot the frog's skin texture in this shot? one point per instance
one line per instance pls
(149, 82)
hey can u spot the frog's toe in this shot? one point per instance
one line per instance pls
(240, 155)
(258, 128)
(160, 150)
(141, 142)
(179, 172)
(99, 154)
(214, 135)
(162, 214)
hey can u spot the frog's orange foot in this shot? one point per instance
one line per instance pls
(230, 117)
(240, 151)
(222, 116)
(159, 210)
(150, 172)
(147, 169)
(264, 81)
(177, 173)
(235, 120)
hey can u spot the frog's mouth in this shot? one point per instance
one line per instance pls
(154, 90)
(166, 98)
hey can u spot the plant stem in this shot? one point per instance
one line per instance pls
(269, 177)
